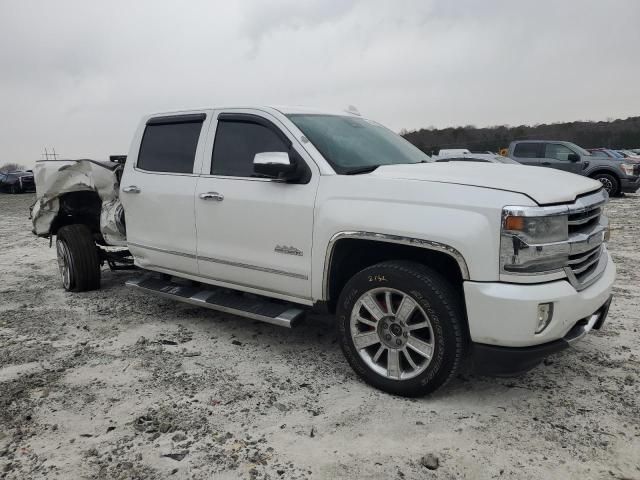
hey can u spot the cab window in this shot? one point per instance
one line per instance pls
(169, 144)
(237, 142)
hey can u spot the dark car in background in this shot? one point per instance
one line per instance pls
(17, 182)
(617, 175)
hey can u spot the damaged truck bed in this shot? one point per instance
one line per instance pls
(79, 191)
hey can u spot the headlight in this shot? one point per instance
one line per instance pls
(627, 168)
(532, 244)
(537, 229)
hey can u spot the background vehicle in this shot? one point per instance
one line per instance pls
(453, 151)
(17, 182)
(629, 154)
(267, 213)
(605, 152)
(476, 157)
(615, 174)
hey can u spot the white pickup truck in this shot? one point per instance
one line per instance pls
(272, 212)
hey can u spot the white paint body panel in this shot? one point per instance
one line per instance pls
(458, 205)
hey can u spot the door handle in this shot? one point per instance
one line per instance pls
(131, 189)
(218, 197)
(546, 163)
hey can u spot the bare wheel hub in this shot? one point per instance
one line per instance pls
(392, 333)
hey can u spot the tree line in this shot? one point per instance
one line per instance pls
(622, 133)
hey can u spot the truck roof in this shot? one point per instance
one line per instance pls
(284, 109)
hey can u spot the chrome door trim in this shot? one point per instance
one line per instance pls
(254, 267)
(224, 262)
(163, 250)
(383, 237)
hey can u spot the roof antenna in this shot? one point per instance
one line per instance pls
(353, 110)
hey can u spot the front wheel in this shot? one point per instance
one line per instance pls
(610, 183)
(400, 326)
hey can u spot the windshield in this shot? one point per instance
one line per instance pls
(581, 151)
(356, 145)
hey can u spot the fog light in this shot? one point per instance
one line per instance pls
(545, 314)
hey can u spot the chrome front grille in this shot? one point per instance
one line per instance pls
(582, 264)
(584, 220)
(587, 226)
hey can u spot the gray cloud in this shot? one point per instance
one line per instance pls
(78, 75)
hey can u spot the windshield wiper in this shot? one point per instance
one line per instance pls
(357, 170)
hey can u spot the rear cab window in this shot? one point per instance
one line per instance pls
(529, 150)
(169, 143)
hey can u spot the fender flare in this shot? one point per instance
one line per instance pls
(383, 237)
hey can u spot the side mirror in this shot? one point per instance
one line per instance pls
(274, 165)
(573, 157)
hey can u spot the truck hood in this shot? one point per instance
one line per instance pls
(543, 185)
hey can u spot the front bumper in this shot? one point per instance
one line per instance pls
(508, 361)
(630, 184)
(503, 318)
(506, 314)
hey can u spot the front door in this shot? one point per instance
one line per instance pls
(157, 192)
(254, 233)
(557, 156)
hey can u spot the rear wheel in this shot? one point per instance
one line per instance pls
(401, 328)
(78, 259)
(610, 183)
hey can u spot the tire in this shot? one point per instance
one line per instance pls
(610, 182)
(394, 338)
(78, 259)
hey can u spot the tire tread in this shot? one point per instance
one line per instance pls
(86, 263)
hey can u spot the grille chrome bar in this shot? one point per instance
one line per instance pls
(586, 266)
(582, 218)
(575, 259)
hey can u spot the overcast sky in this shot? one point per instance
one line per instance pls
(78, 75)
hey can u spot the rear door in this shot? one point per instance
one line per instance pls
(157, 192)
(254, 233)
(556, 155)
(529, 153)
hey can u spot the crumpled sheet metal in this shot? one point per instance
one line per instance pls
(56, 178)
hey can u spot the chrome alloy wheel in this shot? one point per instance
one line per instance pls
(392, 333)
(64, 263)
(607, 184)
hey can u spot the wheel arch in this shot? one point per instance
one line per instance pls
(349, 252)
(80, 207)
(608, 171)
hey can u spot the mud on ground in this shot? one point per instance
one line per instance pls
(116, 384)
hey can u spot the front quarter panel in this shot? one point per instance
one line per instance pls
(463, 217)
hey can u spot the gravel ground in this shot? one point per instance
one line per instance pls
(116, 384)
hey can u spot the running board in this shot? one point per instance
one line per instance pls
(222, 300)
